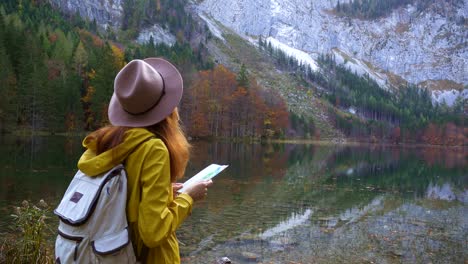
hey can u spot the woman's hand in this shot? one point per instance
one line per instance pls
(175, 187)
(199, 190)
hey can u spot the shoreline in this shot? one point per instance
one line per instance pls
(298, 141)
(361, 143)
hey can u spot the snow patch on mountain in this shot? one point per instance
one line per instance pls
(301, 56)
(360, 68)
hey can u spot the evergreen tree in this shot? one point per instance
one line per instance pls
(8, 95)
(33, 104)
(80, 59)
(63, 46)
(110, 62)
(242, 77)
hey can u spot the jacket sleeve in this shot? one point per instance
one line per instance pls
(157, 217)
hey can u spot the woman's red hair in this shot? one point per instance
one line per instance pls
(168, 130)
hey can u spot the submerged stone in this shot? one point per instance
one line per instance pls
(224, 260)
(249, 256)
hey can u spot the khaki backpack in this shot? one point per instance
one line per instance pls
(93, 225)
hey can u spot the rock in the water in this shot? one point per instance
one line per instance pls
(249, 256)
(224, 260)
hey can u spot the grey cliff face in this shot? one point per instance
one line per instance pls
(158, 34)
(105, 12)
(416, 46)
(109, 13)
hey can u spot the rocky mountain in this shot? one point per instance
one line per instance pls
(106, 13)
(417, 46)
(110, 13)
(427, 47)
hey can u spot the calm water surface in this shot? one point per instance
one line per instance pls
(284, 203)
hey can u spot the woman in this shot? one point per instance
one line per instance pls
(146, 137)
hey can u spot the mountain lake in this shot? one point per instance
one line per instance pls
(287, 203)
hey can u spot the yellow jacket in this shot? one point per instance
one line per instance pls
(152, 213)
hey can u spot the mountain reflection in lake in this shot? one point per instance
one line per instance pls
(285, 203)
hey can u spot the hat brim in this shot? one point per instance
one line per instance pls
(173, 93)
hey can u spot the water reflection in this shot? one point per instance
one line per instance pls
(364, 203)
(354, 214)
(445, 192)
(280, 203)
(36, 168)
(292, 222)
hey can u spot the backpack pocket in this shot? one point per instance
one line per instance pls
(82, 196)
(67, 248)
(114, 248)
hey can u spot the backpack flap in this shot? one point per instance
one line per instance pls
(81, 197)
(112, 243)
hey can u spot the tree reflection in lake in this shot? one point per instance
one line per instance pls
(280, 203)
(331, 204)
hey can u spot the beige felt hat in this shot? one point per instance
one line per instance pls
(145, 92)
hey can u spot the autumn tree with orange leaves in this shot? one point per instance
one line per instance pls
(220, 107)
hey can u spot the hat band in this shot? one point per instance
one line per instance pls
(155, 104)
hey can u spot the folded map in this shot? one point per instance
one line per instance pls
(204, 175)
